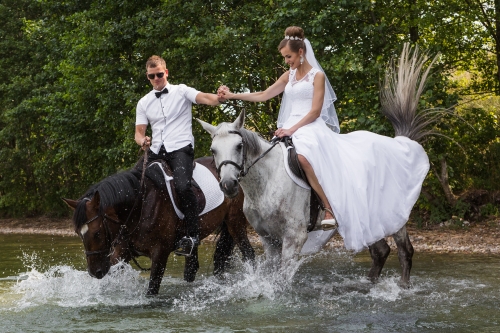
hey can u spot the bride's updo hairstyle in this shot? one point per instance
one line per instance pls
(294, 38)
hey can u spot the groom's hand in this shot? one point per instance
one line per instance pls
(221, 93)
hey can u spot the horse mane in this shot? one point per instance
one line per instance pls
(116, 189)
(251, 139)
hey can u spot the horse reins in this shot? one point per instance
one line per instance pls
(241, 168)
(121, 233)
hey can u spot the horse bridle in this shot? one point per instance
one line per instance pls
(240, 168)
(105, 217)
(123, 226)
(242, 172)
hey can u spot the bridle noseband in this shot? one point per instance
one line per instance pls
(242, 172)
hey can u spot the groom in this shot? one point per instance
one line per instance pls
(167, 108)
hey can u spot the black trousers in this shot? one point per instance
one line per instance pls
(181, 163)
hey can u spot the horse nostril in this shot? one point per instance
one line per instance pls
(228, 185)
(99, 274)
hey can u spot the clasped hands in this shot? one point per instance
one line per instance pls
(223, 94)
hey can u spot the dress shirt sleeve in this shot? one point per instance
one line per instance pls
(140, 113)
(189, 93)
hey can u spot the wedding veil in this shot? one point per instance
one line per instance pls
(328, 113)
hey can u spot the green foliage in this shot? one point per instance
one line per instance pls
(490, 210)
(72, 72)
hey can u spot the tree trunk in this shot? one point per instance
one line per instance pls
(497, 44)
(445, 184)
(413, 20)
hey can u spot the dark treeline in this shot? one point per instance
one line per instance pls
(71, 73)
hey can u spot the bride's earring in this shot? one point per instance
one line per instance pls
(301, 60)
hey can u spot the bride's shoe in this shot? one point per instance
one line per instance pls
(329, 224)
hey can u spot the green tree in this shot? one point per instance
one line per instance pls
(72, 72)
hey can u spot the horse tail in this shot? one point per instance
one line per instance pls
(400, 94)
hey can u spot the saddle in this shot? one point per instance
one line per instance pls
(293, 163)
(154, 173)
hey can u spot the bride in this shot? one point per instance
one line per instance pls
(368, 183)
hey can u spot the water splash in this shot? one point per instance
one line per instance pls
(387, 289)
(248, 283)
(67, 287)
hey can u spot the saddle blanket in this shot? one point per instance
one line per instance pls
(208, 184)
(295, 179)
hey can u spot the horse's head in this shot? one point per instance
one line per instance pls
(92, 223)
(230, 146)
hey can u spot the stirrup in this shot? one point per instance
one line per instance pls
(329, 224)
(185, 246)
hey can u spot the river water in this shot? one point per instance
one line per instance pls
(44, 287)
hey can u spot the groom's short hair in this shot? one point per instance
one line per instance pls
(155, 61)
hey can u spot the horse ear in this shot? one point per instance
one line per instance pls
(207, 127)
(71, 203)
(240, 121)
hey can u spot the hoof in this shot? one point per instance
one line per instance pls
(189, 278)
(404, 284)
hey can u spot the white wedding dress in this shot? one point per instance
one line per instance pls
(371, 181)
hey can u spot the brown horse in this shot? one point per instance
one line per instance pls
(118, 221)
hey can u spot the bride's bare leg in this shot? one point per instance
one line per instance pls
(313, 181)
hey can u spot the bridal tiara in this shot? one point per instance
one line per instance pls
(293, 38)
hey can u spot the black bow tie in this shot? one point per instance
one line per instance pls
(158, 93)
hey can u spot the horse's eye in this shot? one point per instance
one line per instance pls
(212, 151)
(239, 146)
(97, 234)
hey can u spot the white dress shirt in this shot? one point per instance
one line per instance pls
(169, 115)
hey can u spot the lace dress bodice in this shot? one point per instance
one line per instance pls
(300, 94)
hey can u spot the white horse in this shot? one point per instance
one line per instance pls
(276, 207)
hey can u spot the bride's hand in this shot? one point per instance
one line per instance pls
(224, 93)
(282, 132)
(222, 90)
(221, 93)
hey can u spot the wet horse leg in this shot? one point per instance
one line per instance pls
(293, 240)
(237, 228)
(191, 266)
(405, 255)
(272, 250)
(246, 249)
(379, 252)
(158, 264)
(223, 249)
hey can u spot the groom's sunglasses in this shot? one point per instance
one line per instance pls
(159, 75)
